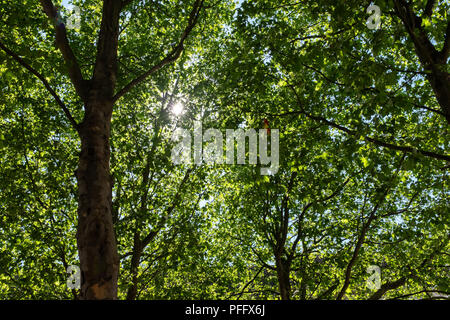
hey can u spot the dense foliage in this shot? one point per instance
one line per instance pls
(363, 116)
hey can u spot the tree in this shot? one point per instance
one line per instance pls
(95, 232)
(288, 76)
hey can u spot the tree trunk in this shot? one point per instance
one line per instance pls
(97, 248)
(95, 235)
(283, 271)
(135, 259)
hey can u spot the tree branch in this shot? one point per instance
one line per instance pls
(262, 260)
(151, 235)
(246, 285)
(125, 3)
(446, 48)
(284, 224)
(370, 139)
(356, 134)
(379, 142)
(432, 60)
(400, 282)
(62, 43)
(386, 287)
(430, 109)
(303, 212)
(171, 57)
(429, 8)
(328, 292)
(44, 82)
(424, 48)
(105, 69)
(425, 291)
(323, 36)
(372, 216)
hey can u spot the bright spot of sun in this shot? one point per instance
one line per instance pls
(177, 108)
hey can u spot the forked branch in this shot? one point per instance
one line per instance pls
(172, 56)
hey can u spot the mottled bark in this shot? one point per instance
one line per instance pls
(95, 234)
(97, 249)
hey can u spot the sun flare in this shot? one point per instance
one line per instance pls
(177, 108)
